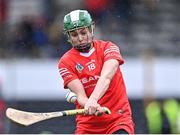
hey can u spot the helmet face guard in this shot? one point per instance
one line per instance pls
(84, 48)
(75, 20)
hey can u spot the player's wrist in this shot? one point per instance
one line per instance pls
(93, 98)
(82, 101)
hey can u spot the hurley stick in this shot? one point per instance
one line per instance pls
(28, 118)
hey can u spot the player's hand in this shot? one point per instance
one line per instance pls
(99, 111)
(91, 107)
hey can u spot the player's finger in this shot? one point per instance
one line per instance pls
(92, 110)
(99, 111)
(86, 111)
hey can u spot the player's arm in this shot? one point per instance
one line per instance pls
(108, 71)
(77, 87)
(112, 60)
(71, 81)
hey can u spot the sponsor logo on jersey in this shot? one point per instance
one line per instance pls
(89, 79)
(79, 67)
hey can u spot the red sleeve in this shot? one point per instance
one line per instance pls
(112, 51)
(66, 73)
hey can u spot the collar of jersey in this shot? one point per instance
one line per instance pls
(89, 53)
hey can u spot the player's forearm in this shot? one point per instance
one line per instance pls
(101, 87)
(82, 100)
(108, 71)
(76, 87)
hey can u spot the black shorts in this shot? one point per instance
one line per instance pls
(120, 131)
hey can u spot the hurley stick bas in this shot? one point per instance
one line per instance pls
(28, 118)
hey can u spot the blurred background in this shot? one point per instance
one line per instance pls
(31, 43)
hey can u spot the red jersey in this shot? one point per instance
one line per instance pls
(87, 68)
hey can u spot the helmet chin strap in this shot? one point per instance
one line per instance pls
(83, 49)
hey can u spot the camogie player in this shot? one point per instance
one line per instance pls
(91, 69)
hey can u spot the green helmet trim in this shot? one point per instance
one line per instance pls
(77, 19)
